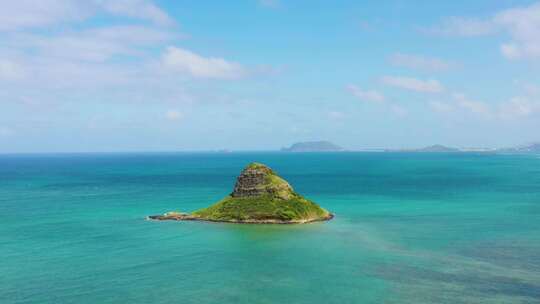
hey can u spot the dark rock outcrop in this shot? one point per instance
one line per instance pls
(259, 180)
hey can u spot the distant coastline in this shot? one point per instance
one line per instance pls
(313, 146)
(326, 146)
(301, 147)
(522, 149)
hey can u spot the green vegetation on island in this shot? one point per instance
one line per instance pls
(259, 196)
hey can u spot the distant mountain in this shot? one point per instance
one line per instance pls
(313, 146)
(437, 148)
(434, 148)
(530, 148)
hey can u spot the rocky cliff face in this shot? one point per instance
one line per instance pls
(259, 180)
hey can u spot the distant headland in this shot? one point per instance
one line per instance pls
(430, 149)
(523, 149)
(260, 196)
(313, 146)
(529, 148)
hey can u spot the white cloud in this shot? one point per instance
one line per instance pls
(510, 51)
(10, 70)
(458, 26)
(25, 14)
(521, 23)
(95, 45)
(419, 62)
(29, 13)
(515, 108)
(174, 115)
(108, 64)
(185, 61)
(376, 98)
(114, 63)
(140, 9)
(531, 89)
(133, 34)
(518, 107)
(441, 107)
(413, 84)
(476, 107)
(365, 95)
(82, 59)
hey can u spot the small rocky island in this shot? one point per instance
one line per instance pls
(260, 196)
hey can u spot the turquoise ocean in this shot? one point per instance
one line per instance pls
(409, 228)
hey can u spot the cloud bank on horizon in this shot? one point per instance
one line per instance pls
(122, 75)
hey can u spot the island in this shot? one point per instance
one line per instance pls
(313, 146)
(260, 196)
(429, 149)
(438, 148)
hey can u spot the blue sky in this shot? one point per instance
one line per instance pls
(140, 75)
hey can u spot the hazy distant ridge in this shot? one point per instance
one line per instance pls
(438, 148)
(433, 148)
(529, 148)
(313, 146)
(326, 146)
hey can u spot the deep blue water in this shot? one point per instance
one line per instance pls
(409, 228)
